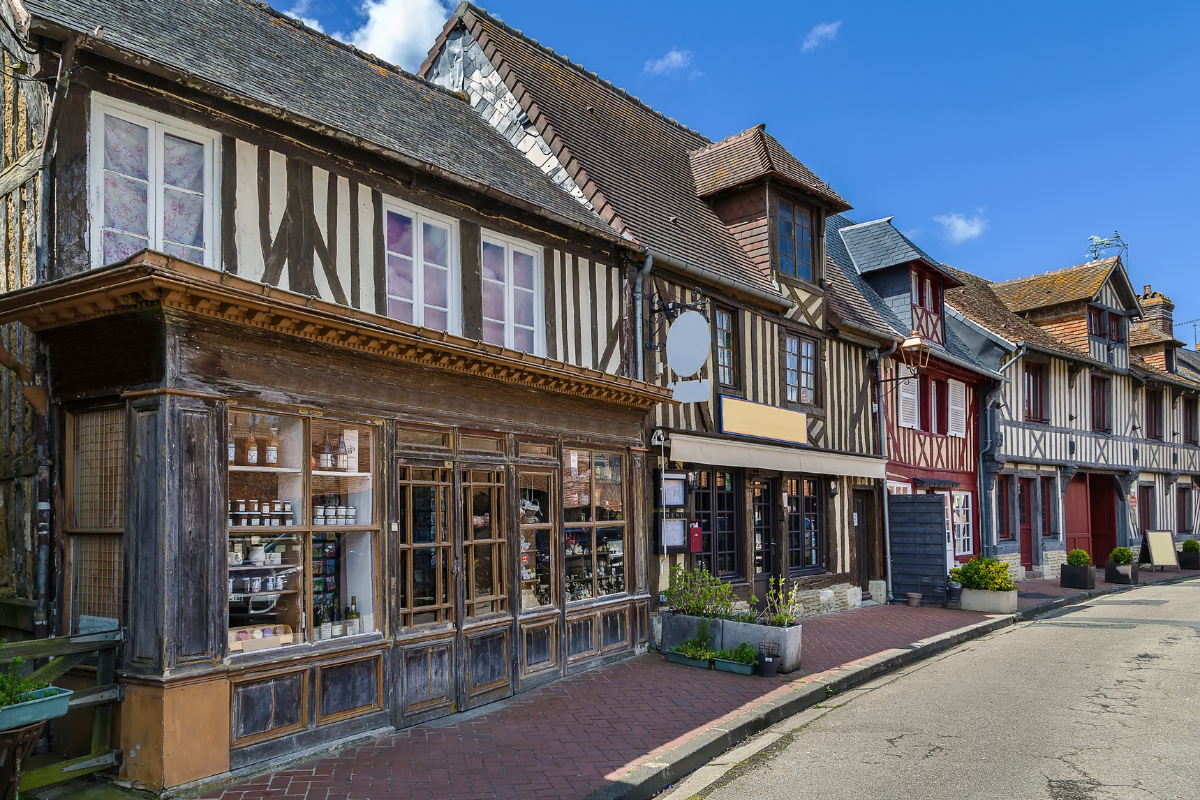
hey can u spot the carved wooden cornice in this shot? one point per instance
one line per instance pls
(149, 278)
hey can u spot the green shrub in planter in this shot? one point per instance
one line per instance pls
(700, 594)
(1078, 558)
(744, 653)
(1122, 555)
(984, 574)
(1191, 546)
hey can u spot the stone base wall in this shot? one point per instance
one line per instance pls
(1052, 561)
(878, 591)
(839, 597)
(1015, 570)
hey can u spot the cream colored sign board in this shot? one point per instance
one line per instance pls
(765, 422)
(1162, 548)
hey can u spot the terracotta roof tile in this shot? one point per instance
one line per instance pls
(1144, 333)
(1081, 282)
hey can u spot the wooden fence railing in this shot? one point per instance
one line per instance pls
(67, 652)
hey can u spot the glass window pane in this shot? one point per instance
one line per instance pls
(493, 301)
(610, 494)
(537, 534)
(424, 580)
(400, 309)
(493, 333)
(610, 560)
(523, 340)
(436, 290)
(399, 233)
(183, 217)
(424, 512)
(126, 204)
(266, 589)
(436, 320)
(523, 270)
(493, 262)
(435, 244)
(126, 148)
(400, 277)
(523, 307)
(183, 163)
(579, 567)
(118, 246)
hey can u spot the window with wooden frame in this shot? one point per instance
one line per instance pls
(1048, 508)
(1190, 421)
(714, 498)
(803, 524)
(485, 550)
(513, 295)
(925, 290)
(795, 240)
(726, 344)
(539, 551)
(1183, 509)
(1154, 414)
(1003, 496)
(962, 517)
(1169, 358)
(1116, 328)
(1096, 319)
(1147, 516)
(927, 402)
(422, 268)
(96, 519)
(425, 549)
(593, 523)
(1035, 392)
(800, 372)
(153, 184)
(1101, 413)
(940, 407)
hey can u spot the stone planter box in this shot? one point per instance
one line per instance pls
(989, 602)
(1077, 577)
(1121, 573)
(1189, 560)
(679, 658)
(722, 665)
(788, 640)
(678, 628)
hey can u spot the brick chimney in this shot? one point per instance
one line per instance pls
(1158, 310)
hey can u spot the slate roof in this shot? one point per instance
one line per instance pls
(1144, 333)
(878, 245)
(750, 155)
(246, 49)
(633, 163)
(849, 290)
(978, 301)
(1081, 282)
(1188, 362)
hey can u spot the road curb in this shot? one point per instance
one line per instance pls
(650, 778)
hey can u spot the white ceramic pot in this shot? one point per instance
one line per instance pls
(258, 556)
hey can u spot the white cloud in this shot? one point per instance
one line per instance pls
(675, 59)
(819, 35)
(399, 31)
(299, 12)
(959, 228)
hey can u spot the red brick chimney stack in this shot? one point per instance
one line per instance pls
(1158, 310)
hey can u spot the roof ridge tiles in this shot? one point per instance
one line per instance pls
(1037, 275)
(711, 146)
(462, 7)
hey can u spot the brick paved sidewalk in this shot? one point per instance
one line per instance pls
(1035, 592)
(577, 735)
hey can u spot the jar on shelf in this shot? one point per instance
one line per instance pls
(253, 506)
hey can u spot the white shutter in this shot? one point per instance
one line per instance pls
(907, 415)
(957, 423)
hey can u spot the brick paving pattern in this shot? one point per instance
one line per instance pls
(574, 736)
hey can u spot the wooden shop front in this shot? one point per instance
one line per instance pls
(316, 522)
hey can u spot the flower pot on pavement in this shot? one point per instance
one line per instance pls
(767, 666)
(1121, 573)
(1189, 560)
(1077, 577)
(914, 599)
(989, 602)
(38, 705)
(954, 592)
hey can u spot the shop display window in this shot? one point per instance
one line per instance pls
(302, 553)
(594, 532)
(537, 538)
(426, 552)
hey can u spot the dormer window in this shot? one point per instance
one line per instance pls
(1096, 322)
(795, 240)
(1116, 328)
(926, 295)
(1169, 354)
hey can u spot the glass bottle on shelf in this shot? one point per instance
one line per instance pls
(343, 455)
(339, 625)
(251, 449)
(273, 448)
(232, 444)
(353, 620)
(326, 623)
(326, 459)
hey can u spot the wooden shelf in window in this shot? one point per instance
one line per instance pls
(239, 567)
(319, 473)
(284, 470)
(344, 528)
(243, 595)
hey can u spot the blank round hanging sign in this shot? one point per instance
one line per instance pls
(688, 343)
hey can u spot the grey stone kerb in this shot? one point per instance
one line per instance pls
(461, 66)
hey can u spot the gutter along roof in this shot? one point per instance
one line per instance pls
(150, 278)
(634, 165)
(249, 54)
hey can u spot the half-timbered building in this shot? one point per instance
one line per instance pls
(762, 464)
(1084, 445)
(929, 415)
(335, 391)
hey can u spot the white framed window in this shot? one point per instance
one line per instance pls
(962, 523)
(422, 267)
(153, 184)
(896, 487)
(513, 295)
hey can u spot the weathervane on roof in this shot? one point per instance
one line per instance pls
(1097, 245)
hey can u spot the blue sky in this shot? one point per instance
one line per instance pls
(1000, 136)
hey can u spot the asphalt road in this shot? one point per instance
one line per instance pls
(1100, 702)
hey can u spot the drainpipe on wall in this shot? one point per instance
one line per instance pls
(878, 358)
(989, 425)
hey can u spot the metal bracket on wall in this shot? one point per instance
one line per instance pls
(664, 311)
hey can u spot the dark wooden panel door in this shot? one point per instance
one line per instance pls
(1102, 506)
(1025, 519)
(1078, 516)
(762, 524)
(862, 538)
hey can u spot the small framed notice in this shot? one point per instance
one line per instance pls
(672, 489)
(672, 535)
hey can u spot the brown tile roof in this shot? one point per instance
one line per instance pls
(632, 163)
(1144, 333)
(847, 302)
(750, 155)
(1143, 368)
(1080, 282)
(978, 301)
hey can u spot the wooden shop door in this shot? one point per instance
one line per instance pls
(1079, 516)
(1025, 517)
(1102, 509)
(862, 538)
(762, 525)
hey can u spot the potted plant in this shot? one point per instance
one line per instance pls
(694, 652)
(987, 586)
(776, 625)
(23, 701)
(1078, 572)
(695, 597)
(1121, 567)
(953, 591)
(742, 659)
(1189, 556)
